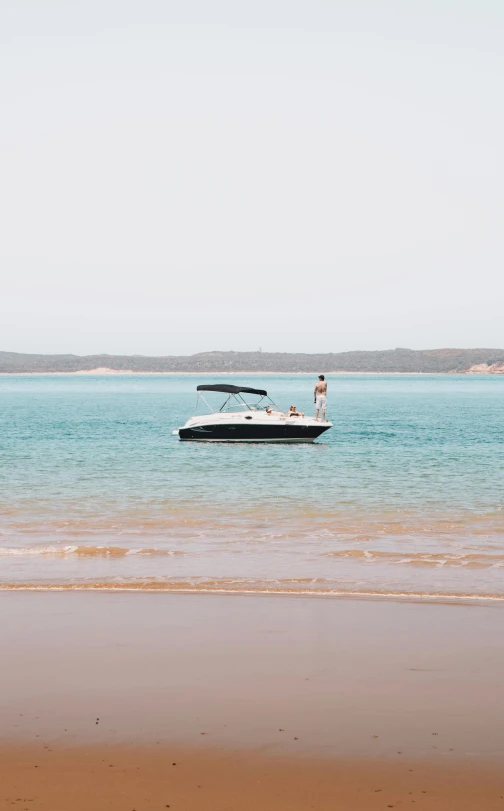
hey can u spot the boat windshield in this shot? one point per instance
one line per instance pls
(233, 402)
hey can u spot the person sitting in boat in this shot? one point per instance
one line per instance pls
(272, 413)
(294, 413)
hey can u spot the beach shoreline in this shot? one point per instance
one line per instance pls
(156, 588)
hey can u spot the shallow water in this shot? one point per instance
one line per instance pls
(403, 496)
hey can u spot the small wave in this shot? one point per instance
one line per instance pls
(296, 523)
(268, 588)
(84, 551)
(476, 560)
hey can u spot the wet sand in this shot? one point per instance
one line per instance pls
(134, 779)
(262, 702)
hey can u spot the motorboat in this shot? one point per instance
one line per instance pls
(244, 418)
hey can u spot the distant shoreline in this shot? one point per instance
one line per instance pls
(126, 373)
(386, 362)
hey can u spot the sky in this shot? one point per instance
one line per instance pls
(305, 176)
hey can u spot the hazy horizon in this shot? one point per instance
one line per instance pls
(301, 178)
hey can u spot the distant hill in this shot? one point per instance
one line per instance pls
(389, 360)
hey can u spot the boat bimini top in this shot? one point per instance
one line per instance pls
(234, 400)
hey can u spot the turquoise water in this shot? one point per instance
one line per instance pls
(404, 495)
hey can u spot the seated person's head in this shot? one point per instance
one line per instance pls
(292, 408)
(268, 410)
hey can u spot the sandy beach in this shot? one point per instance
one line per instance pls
(281, 703)
(134, 778)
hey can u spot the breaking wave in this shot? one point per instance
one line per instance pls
(84, 551)
(479, 560)
(474, 559)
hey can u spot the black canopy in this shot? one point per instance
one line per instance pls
(227, 389)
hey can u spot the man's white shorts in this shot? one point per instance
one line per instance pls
(321, 402)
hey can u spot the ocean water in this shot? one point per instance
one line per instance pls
(404, 496)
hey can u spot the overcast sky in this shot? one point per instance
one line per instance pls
(304, 176)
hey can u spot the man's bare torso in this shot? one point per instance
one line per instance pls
(321, 387)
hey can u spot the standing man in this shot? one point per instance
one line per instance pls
(320, 397)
